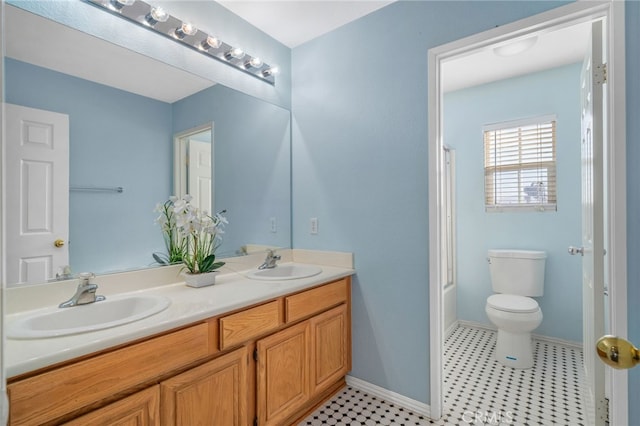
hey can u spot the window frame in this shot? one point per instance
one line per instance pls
(552, 168)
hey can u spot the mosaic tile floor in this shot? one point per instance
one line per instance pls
(478, 390)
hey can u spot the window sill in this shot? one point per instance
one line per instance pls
(506, 208)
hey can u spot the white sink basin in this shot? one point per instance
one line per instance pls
(54, 322)
(285, 271)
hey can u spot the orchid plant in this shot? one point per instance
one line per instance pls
(174, 242)
(198, 234)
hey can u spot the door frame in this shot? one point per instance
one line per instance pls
(180, 157)
(4, 402)
(615, 116)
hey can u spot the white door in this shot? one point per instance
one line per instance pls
(593, 241)
(37, 188)
(199, 180)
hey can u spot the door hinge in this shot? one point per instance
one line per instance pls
(603, 410)
(255, 355)
(255, 421)
(600, 74)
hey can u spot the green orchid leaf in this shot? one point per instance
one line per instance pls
(159, 259)
(217, 265)
(207, 263)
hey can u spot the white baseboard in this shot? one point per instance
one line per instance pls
(570, 343)
(414, 406)
(451, 329)
(473, 324)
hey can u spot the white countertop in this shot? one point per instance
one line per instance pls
(232, 291)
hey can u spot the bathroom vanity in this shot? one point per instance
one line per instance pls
(268, 360)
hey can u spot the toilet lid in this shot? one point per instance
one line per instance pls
(512, 303)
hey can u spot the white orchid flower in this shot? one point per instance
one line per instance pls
(192, 235)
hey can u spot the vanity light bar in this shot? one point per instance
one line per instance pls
(158, 20)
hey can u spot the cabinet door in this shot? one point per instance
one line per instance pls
(139, 409)
(330, 359)
(46, 397)
(283, 374)
(214, 393)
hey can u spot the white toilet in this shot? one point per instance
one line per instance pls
(517, 275)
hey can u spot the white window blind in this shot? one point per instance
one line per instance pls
(520, 165)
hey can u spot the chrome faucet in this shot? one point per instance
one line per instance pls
(86, 292)
(270, 261)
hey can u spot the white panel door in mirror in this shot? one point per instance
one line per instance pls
(37, 226)
(199, 184)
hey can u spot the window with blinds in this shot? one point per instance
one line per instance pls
(520, 165)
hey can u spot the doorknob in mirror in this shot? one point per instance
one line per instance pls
(617, 352)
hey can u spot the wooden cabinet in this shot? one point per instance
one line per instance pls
(56, 393)
(283, 374)
(214, 393)
(331, 348)
(316, 300)
(273, 361)
(249, 324)
(139, 409)
(296, 365)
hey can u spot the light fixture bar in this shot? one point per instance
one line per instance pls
(160, 21)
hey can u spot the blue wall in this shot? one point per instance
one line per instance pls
(360, 167)
(251, 163)
(113, 130)
(466, 111)
(110, 231)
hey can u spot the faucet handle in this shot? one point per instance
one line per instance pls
(85, 277)
(85, 280)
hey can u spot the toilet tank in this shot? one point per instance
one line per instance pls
(518, 272)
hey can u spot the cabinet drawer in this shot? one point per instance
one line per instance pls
(316, 300)
(248, 324)
(53, 394)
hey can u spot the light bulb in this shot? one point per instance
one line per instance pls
(185, 30)
(235, 52)
(254, 62)
(210, 42)
(155, 15)
(119, 4)
(271, 71)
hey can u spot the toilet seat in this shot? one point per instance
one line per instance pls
(512, 303)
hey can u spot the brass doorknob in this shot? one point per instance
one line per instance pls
(58, 243)
(617, 352)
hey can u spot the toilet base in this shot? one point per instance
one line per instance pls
(514, 349)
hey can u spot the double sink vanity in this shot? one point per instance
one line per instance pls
(259, 347)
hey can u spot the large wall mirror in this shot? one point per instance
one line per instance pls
(124, 116)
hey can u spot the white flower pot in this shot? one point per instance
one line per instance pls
(200, 280)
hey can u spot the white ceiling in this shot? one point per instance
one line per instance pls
(552, 49)
(292, 22)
